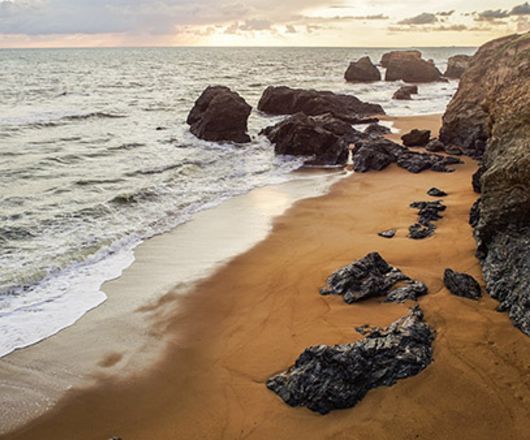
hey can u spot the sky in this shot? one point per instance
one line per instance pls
(344, 23)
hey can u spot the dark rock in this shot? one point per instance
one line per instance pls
(366, 278)
(286, 101)
(428, 211)
(389, 233)
(377, 129)
(410, 292)
(325, 138)
(325, 378)
(220, 115)
(405, 92)
(398, 55)
(435, 146)
(462, 284)
(409, 67)
(476, 179)
(452, 150)
(416, 138)
(456, 66)
(435, 192)
(474, 213)
(418, 231)
(362, 70)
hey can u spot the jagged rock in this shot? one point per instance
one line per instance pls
(325, 138)
(362, 70)
(220, 115)
(389, 233)
(416, 138)
(286, 101)
(476, 179)
(453, 151)
(418, 231)
(366, 278)
(435, 146)
(408, 66)
(410, 292)
(377, 129)
(405, 92)
(325, 378)
(462, 284)
(456, 66)
(436, 192)
(474, 213)
(428, 211)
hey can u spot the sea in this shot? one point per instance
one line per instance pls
(96, 157)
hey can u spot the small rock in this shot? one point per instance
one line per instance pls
(377, 129)
(435, 192)
(452, 150)
(389, 233)
(418, 231)
(412, 291)
(462, 284)
(405, 93)
(435, 146)
(416, 138)
(428, 211)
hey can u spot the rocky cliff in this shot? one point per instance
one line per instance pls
(492, 109)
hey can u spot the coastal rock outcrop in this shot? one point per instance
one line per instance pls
(370, 277)
(324, 137)
(410, 67)
(405, 92)
(325, 378)
(220, 115)
(456, 66)
(362, 70)
(462, 284)
(416, 138)
(492, 108)
(286, 101)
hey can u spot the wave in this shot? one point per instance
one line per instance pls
(93, 115)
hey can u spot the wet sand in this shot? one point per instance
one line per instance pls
(255, 315)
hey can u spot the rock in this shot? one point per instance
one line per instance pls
(428, 211)
(398, 55)
(325, 138)
(476, 179)
(474, 213)
(220, 115)
(456, 66)
(435, 146)
(362, 70)
(418, 231)
(416, 138)
(369, 277)
(436, 192)
(462, 284)
(405, 92)
(286, 101)
(408, 66)
(325, 378)
(410, 292)
(452, 150)
(389, 233)
(377, 129)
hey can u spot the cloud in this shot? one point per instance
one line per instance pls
(523, 9)
(256, 25)
(445, 13)
(491, 15)
(290, 29)
(425, 18)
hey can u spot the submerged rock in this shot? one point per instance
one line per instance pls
(325, 378)
(416, 138)
(436, 192)
(368, 277)
(389, 233)
(456, 66)
(405, 92)
(462, 284)
(220, 115)
(362, 70)
(286, 101)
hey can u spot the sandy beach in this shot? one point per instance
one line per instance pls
(256, 314)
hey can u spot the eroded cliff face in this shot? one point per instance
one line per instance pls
(492, 105)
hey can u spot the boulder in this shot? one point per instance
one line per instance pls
(416, 138)
(220, 115)
(362, 70)
(456, 66)
(376, 129)
(325, 378)
(324, 137)
(405, 92)
(286, 101)
(462, 284)
(410, 67)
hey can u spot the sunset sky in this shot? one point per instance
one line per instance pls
(360, 23)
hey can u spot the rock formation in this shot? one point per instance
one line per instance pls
(362, 70)
(286, 101)
(410, 67)
(462, 284)
(416, 138)
(405, 92)
(456, 66)
(325, 378)
(372, 276)
(428, 213)
(220, 115)
(493, 105)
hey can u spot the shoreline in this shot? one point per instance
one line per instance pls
(256, 313)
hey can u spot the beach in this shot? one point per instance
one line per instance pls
(255, 314)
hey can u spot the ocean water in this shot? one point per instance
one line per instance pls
(95, 157)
